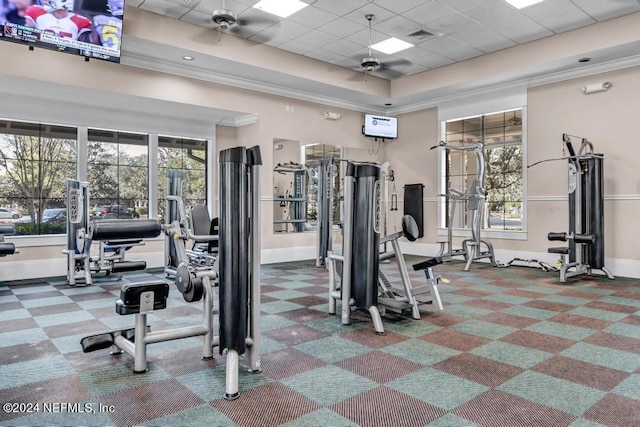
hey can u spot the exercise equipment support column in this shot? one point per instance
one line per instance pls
(239, 261)
(360, 244)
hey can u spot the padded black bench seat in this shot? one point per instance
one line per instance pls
(427, 263)
(130, 294)
(562, 250)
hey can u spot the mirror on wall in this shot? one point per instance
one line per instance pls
(295, 183)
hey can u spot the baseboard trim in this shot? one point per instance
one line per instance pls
(40, 269)
(629, 268)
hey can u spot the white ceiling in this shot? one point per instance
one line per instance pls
(335, 31)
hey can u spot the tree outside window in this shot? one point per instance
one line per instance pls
(35, 161)
(501, 134)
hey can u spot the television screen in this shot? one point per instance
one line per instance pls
(90, 28)
(380, 126)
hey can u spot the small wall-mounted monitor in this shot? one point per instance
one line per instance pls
(380, 126)
(89, 28)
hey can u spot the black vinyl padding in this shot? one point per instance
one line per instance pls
(563, 250)
(557, 236)
(584, 238)
(410, 228)
(7, 248)
(130, 293)
(109, 229)
(200, 220)
(429, 262)
(96, 342)
(122, 266)
(7, 229)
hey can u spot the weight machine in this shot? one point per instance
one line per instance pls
(475, 248)
(194, 224)
(362, 286)
(238, 280)
(115, 237)
(586, 213)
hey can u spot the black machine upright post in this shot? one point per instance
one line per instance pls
(325, 209)
(361, 240)
(585, 236)
(239, 260)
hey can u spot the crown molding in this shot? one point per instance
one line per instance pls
(139, 60)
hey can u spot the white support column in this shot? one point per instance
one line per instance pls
(153, 176)
(82, 150)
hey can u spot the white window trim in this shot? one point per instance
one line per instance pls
(478, 106)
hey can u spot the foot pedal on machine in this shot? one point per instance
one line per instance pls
(96, 342)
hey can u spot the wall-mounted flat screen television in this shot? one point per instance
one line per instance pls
(380, 126)
(89, 28)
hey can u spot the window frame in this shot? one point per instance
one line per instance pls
(442, 175)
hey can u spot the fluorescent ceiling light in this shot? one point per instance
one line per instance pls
(521, 4)
(392, 45)
(281, 8)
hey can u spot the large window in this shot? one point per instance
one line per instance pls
(501, 135)
(188, 156)
(118, 174)
(35, 161)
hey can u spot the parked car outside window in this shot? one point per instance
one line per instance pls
(114, 211)
(9, 214)
(56, 215)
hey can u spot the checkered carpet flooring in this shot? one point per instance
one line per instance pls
(513, 347)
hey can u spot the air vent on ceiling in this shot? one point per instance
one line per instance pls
(420, 35)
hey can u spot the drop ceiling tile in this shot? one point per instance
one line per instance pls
(379, 14)
(208, 6)
(344, 61)
(296, 46)
(362, 37)
(165, 7)
(313, 17)
(433, 60)
(322, 54)
(399, 6)
(399, 27)
(413, 53)
(317, 38)
(343, 47)
(450, 24)
(604, 10)
(254, 21)
(450, 48)
(291, 30)
(340, 7)
(548, 8)
(429, 12)
(526, 33)
(481, 38)
(498, 15)
(342, 27)
(462, 5)
(567, 21)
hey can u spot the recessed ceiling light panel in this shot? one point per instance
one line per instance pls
(391, 46)
(521, 4)
(281, 8)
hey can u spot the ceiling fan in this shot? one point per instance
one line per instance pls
(371, 64)
(227, 20)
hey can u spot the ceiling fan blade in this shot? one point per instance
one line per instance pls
(396, 63)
